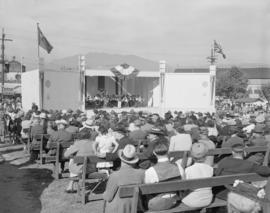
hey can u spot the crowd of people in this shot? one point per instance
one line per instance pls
(103, 100)
(139, 143)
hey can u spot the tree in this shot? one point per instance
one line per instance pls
(232, 84)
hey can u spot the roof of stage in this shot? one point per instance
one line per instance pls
(109, 73)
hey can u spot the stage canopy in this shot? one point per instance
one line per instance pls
(131, 81)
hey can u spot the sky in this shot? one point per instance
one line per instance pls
(178, 31)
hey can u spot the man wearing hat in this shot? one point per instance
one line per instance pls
(146, 156)
(209, 144)
(200, 197)
(164, 170)
(60, 136)
(236, 164)
(126, 175)
(137, 134)
(36, 129)
(72, 127)
(257, 139)
(120, 133)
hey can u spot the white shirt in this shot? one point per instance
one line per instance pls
(249, 128)
(105, 143)
(203, 196)
(151, 175)
(212, 131)
(180, 142)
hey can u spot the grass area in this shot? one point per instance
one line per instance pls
(53, 198)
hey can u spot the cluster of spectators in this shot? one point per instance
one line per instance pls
(104, 100)
(136, 148)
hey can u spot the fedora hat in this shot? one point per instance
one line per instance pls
(260, 119)
(128, 154)
(89, 123)
(120, 128)
(199, 150)
(156, 131)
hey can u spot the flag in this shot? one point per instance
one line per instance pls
(218, 49)
(43, 42)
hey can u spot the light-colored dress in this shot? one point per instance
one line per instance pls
(199, 197)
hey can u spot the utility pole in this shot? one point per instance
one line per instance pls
(3, 60)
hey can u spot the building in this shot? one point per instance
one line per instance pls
(257, 77)
(12, 76)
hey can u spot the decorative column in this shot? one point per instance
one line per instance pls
(162, 71)
(212, 69)
(82, 81)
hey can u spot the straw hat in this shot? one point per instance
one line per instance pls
(199, 150)
(128, 154)
(260, 119)
(62, 121)
(89, 123)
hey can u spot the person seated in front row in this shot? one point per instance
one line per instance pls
(164, 170)
(83, 146)
(127, 174)
(200, 169)
(237, 165)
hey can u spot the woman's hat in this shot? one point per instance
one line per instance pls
(61, 121)
(43, 115)
(199, 150)
(128, 154)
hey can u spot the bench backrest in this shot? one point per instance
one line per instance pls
(220, 151)
(172, 186)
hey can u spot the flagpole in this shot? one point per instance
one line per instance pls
(40, 74)
(38, 42)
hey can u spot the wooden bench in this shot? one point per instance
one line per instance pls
(214, 152)
(136, 191)
(57, 158)
(178, 154)
(84, 178)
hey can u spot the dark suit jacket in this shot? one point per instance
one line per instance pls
(230, 166)
(60, 136)
(37, 130)
(126, 175)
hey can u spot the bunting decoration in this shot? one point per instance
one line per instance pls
(125, 71)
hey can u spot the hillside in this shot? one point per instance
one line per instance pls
(104, 61)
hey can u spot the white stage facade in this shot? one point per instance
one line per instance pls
(160, 90)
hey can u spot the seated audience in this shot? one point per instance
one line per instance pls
(83, 146)
(236, 164)
(201, 197)
(127, 174)
(164, 170)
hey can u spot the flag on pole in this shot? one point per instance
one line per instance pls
(43, 42)
(218, 49)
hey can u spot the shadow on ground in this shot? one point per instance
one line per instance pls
(21, 188)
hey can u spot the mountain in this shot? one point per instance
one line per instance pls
(104, 61)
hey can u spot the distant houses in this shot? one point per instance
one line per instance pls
(12, 76)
